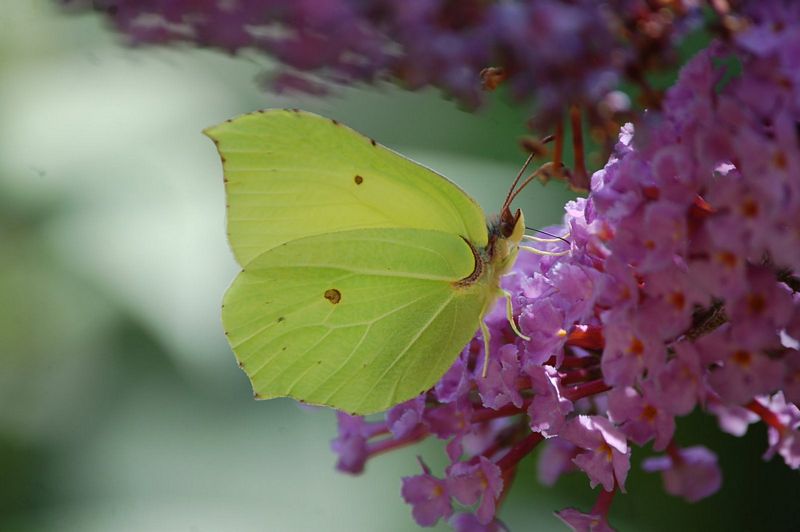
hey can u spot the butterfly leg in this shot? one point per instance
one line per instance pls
(486, 338)
(553, 240)
(510, 316)
(543, 252)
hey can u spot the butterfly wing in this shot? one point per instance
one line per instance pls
(292, 174)
(357, 320)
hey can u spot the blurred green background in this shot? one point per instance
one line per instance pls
(121, 406)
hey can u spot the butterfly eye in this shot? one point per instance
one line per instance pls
(508, 222)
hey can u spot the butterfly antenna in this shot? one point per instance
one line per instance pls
(511, 194)
(515, 190)
(524, 184)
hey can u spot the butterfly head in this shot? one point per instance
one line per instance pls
(505, 234)
(511, 225)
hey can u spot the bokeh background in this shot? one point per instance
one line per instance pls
(121, 406)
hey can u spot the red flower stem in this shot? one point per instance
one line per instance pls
(558, 148)
(377, 429)
(766, 415)
(588, 337)
(585, 390)
(578, 376)
(578, 362)
(577, 145)
(674, 452)
(519, 451)
(603, 503)
(488, 414)
(390, 444)
(700, 209)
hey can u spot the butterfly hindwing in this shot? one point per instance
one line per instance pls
(357, 320)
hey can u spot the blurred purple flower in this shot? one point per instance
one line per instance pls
(552, 52)
(555, 459)
(691, 473)
(351, 444)
(783, 432)
(468, 522)
(584, 522)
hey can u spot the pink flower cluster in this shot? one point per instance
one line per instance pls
(679, 292)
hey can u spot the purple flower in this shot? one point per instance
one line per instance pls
(405, 417)
(783, 433)
(655, 249)
(575, 286)
(555, 459)
(671, 298)
(681, 381)
(632, 347)
(739, 373)
(606, 456)
(482, 437)
(732, 419)
(763, 309)
(791, 378)
(456, 382)
(584, 522)
(618, 287)
(548, 411)
(451, 421)
(543, 322)
(691, 473)
(717, 270)
(500, 386)
(428, 496)
(351, 444)
(643, 415)
(470, 483)
(678, 292)
(466, 522)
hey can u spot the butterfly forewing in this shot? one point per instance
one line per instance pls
(292, 174)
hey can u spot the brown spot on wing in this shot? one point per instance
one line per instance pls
(333, 295)
(358, 179)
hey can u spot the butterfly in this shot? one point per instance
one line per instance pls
(364, 274)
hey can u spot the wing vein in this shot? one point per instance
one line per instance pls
(410, 344)
(353, 351)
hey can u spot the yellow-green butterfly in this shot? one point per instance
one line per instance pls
(364, 274)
